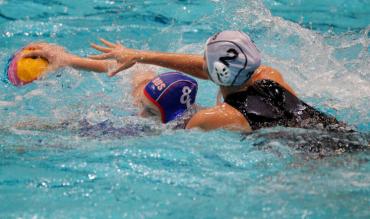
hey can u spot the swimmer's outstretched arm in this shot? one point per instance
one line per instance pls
(87, 64)
(187, 63)
(126, 58)
(59, 58)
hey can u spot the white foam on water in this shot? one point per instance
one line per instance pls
(309, 60)
(36, 92)
(6, 103)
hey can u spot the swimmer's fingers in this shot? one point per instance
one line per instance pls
(35, 46)
(107, 43)
(121, 68)
(100, 48)
(119, 45)
(34, 54)
(102, 56)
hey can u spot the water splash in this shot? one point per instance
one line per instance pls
(59, 173)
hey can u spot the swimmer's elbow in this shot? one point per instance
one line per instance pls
(197, 121)
(201, 121)
(207, 122)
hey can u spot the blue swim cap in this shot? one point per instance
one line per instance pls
(173, 93)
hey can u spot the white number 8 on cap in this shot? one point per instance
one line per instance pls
(185, 97)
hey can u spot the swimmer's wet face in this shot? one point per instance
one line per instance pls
(147, 108)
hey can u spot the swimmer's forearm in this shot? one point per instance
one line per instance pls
(187, 63)
(90, 64)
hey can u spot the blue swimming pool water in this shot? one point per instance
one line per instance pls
(322, 49)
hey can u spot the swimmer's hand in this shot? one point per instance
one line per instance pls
(55, 55)
(125, 57)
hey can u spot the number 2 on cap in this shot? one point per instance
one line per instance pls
(231, 55)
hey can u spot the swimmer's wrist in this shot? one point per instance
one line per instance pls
(70, 60)
(142, 56)
(148, 57)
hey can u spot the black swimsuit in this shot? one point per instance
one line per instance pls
(267, 104)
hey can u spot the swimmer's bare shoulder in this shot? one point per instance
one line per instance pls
(220, 116)
(266, 72)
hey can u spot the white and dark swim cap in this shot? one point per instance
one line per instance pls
(231, 58)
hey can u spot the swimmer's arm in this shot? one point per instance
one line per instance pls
(221, 116)
(91, 64)
(187, 63)
(126, 58)
(59, 58)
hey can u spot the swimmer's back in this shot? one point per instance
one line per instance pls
(267, 104)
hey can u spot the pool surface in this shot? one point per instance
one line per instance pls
(321, 48)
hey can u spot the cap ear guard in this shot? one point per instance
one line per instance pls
(223, 73)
